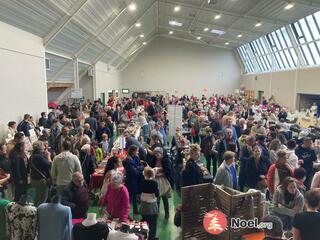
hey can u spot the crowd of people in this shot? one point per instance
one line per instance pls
(245, 144)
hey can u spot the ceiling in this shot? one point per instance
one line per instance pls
(105, 30)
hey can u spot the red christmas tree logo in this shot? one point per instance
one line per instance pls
(215, 222)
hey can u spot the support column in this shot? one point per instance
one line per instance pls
(76, 79)
(94, 81)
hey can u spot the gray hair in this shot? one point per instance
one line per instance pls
(38, 146)
(116, 177)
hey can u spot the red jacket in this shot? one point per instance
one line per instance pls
(270, 177)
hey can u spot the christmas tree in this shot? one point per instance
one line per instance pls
(214, 224)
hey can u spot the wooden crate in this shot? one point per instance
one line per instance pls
(245, 206)
(197, 200)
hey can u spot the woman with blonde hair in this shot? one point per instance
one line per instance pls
(192, 173)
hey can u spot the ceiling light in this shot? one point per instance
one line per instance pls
(218, 16)
(206, 29)
(239, 35)
(132, 7)
(138, 24)
(171, 32)
(289, 6)
(144, 43)
(226, 43)
(258, 24)
(177, 8)
(141, 35)
(199, 38)
(219, 32)
(175, 23)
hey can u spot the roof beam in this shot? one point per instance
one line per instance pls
(247, 13)
(196, 15)
(59, 73)
(65, 56)
(129, 46)
(63, 22)
(308, 3)
(203, 35)
(133, 56)
(256, 33)
(194, 41)
(157, 18)
(227, 13)
(100, 30)
(115, 41)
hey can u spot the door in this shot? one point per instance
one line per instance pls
(260, 95)
(103, 98)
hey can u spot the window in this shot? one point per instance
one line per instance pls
(249, 67)
(307, 33)
(284, 48)
(281, 46)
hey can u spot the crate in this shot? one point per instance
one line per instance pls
(197, 200)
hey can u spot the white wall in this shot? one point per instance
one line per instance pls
(285, 85)
(86, 83)
(23, 80)
(180, 67)
(106, 78)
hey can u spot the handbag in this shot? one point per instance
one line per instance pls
(164, 186)
(48, 180)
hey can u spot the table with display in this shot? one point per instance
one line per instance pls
(140, 229)
(96, 179)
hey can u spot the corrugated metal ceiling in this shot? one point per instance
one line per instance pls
(105, 29)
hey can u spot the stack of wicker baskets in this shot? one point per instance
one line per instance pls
(199, 199)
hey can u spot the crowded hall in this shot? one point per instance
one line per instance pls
(160, 119)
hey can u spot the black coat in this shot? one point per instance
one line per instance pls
(192, 174)
(132, 141)
(38, 162)
(254, 171)
(19, 169)
(88, 165)
(133, 176)
(116, 116)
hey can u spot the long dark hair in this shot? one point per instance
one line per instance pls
(17, 151)
(110, 164)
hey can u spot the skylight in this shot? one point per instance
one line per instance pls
(175, 23)
(219, 32)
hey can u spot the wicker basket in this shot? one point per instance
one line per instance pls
(197, 200)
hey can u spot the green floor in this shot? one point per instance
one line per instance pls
(166, 229)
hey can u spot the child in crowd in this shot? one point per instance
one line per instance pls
(149, 207)
(99, 153)
(105, 144)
